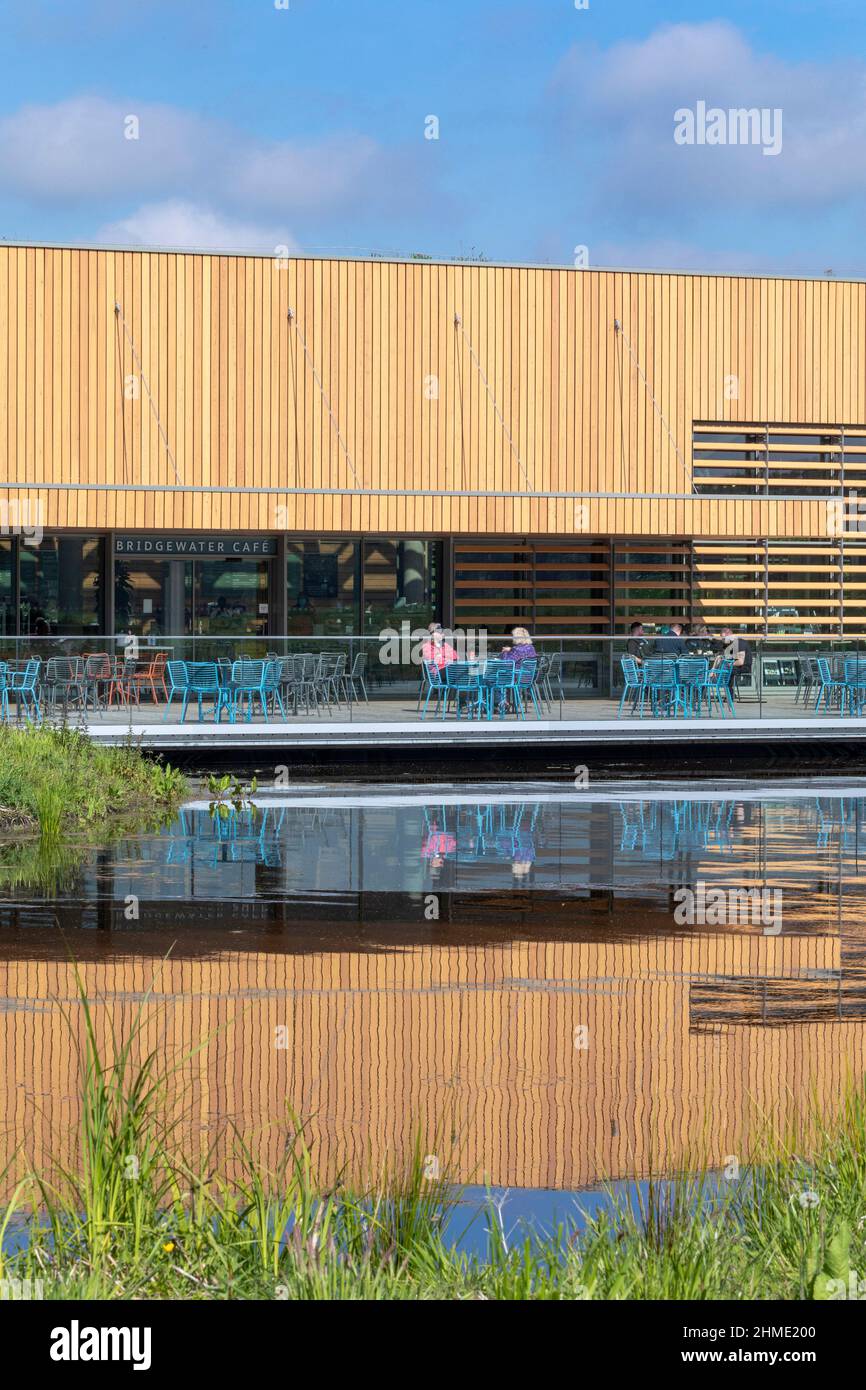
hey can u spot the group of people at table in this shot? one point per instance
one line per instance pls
(441, 653)
(679, 641)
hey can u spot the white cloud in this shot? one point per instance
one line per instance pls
(621, 102)
(77, 151)
(176, 223)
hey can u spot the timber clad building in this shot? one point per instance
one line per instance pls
(239, 444)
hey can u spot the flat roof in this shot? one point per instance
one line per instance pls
(355, 254)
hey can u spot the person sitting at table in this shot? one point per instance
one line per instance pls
(738, 650)
(520, 648)
(636, 646)
(671, 643)
(698, 641)
(436, 649)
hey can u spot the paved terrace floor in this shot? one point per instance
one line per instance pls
(396, 722)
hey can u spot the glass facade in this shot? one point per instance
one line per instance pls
(402, 582)
(219, 598)
(7, 587)
(322, 587)
(60, 585)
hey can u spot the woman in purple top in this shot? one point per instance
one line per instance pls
(521, 648)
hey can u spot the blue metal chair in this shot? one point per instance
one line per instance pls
(498, 678)
(854, 676)
(632, 675)
(718, 686)
(251, 681)
(178, 683)
(271, 684)
(24, 686)
(432, 678)
(831, 686)
(525, 681)
(692, 675)
(463, 679)
(661, 684)
(4, 691)
(203, 682)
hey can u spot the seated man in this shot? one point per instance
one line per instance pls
(671, 644)
(740, 651)
(637, 644)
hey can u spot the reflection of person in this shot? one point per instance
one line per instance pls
(437, 845)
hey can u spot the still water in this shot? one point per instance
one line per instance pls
(557, 987)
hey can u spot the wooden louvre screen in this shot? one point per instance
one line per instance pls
(652, 581)
(777, 460)
(546, 586)
(599, 586)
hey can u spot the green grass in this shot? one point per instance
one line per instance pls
(134, 1216)
(57, 780)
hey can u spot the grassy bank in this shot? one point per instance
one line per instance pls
(133, 1217)
(56, 781)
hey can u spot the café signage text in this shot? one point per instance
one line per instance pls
(228, 547)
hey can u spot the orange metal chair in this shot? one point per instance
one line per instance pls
(150, 677)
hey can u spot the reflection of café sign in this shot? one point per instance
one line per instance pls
(225, 547)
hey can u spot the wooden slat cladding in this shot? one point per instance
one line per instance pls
(241, 410)
(383, 1043)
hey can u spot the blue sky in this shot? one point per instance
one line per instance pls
(304, 127)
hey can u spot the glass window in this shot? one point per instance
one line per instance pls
(60, 586)
(142, 595)
(402, 583)
(230, 596)
(321, 598)
(7, 589)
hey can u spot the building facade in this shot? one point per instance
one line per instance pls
(236, 444)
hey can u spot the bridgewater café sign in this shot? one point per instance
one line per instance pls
(219, 547)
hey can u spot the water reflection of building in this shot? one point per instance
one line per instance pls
(574, 844)
(695, 1036)
(482, 1036)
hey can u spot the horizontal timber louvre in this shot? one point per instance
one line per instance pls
(547, 586)
(764, 588)
(781, 460)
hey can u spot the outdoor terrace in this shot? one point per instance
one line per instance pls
(359, 692)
